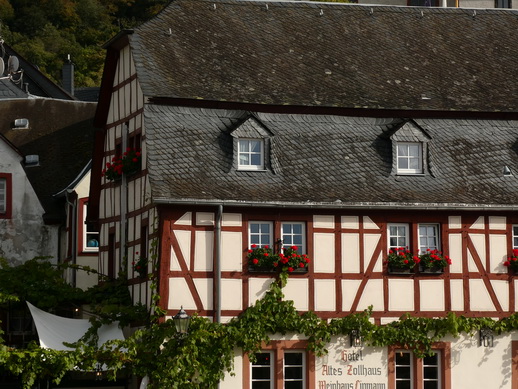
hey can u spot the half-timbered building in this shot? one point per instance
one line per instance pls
(347, 131)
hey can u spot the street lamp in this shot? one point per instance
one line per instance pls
(181, 322)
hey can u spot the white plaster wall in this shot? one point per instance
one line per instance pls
(346, 367)
(324, 252)
(25, 235)
(231, 251)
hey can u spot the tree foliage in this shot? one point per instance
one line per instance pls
(45, 32)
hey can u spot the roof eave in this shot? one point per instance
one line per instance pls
(341, 205)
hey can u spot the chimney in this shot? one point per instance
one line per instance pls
(68, 76)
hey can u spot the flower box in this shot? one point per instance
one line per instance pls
(431, 270)
(128, 164)
(400, 270)
(512, 262)
(264, 260)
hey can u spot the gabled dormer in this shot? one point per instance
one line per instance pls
(410, 150)
(251, 146)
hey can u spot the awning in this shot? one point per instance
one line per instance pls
(54, 330)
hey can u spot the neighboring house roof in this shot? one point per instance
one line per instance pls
(61, 133)
(330, 55)
(37, 83)
(9, 90)
(333, 161)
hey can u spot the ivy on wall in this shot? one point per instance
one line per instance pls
(203, 357)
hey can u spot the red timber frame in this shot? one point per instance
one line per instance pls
(169, 214)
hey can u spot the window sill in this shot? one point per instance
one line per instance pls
(252, 170)
(411, 174)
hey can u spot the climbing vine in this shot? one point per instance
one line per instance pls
(203, 357)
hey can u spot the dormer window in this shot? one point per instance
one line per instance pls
(409, 157)
(252, 143)
(251, 154)
(410, 150)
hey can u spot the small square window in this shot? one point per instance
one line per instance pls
(428, 237)
(293, 234)
(251, 154)
(515, 237)
(260, 234)
(397, 236)
(409, 158)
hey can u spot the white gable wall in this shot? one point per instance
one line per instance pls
(24, 236)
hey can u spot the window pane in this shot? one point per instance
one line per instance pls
(293, 373)
(403, 372)
(293, 385)
(413, 150)
(431, 385)
(293, 358)
(261, 372)
(403, 385)
(430, 360)
(244, 146)
(256, 159)
(244, 159)
(260, 234)
(430, 372)
(255, 146)
(260, 384)
(402, 150)
(403, 163)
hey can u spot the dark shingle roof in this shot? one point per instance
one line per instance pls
(331, 55)
(8, 90)
(329, 160)
(61, 133)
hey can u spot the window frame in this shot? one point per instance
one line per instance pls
(249, 153)
(515, 236)
(501, 2)
(278, 348)
(422, 248)
(417, 366)
(407, 235)
(8, 196)
(409, 158)
(301, 248)
(82, 229)
(270, 233)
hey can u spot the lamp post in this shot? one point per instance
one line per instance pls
(181, 322)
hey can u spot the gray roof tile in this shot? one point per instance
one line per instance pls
(352, 56)
(328, 159)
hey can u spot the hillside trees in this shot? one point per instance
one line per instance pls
(45, 32)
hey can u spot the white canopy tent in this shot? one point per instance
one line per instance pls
(54, 330)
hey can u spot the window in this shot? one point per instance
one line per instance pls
(410, 372)
(5, 196)
(515, 237)
(428, 237)
(251, 154)
(409, 158)
(260, 233)
(293, 234)
(398, 236)
(89, 233)
(503, 4)
(281, 364)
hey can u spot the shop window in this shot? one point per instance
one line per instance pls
(281, 364)
(407, 371)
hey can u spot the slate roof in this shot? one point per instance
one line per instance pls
(330, 161)
(61, 133)
(331, 55)
(8, 90)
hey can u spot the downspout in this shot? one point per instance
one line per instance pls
(73, 234)
(124, 205)
(217, 269)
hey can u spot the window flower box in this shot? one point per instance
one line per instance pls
(433, 262)
(512, 262)
(401, 261)
(264, 260)
(128, 164)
